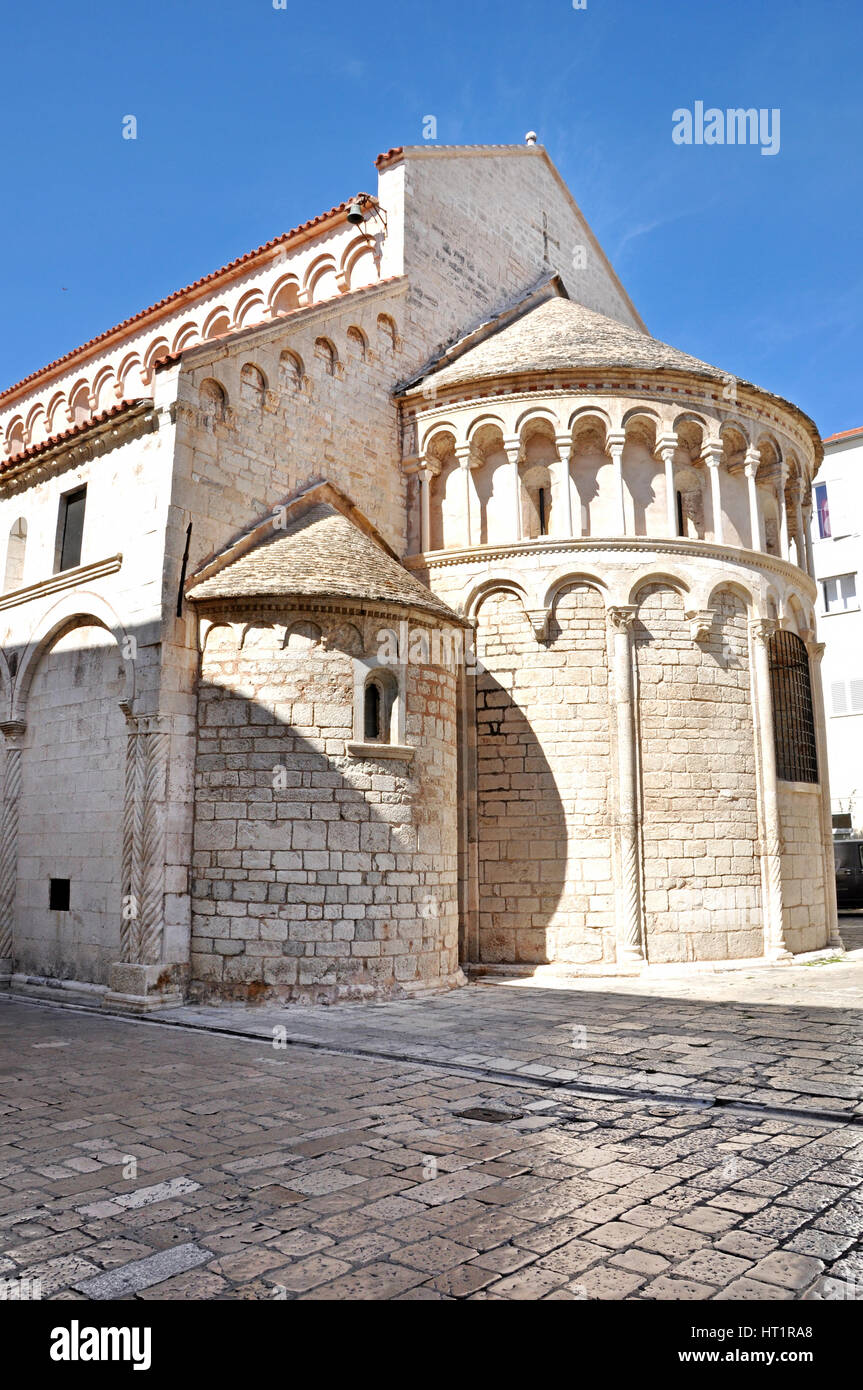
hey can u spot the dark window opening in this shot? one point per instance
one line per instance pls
(793, 721)
(543, 524)
(680, 527)
(372, 713)
(58, 894)
(70, 529)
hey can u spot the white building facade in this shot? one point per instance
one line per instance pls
(837, 544)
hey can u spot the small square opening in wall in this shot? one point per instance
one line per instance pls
(58, 894)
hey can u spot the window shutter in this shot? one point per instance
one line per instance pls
(840, 697)
(856, 695)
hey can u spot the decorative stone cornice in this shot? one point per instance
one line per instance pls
(682, 547)
(66, 579)
(762, 629)
(700, 623)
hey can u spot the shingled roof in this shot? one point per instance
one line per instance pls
(559, 335)
(321, 554)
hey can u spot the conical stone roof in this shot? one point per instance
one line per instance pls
(320, 554)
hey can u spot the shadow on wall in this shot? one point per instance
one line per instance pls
(543, 777)
(317, 876)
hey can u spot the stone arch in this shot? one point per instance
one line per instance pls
(217, 323)
(325, 351)
(213, 398)
(57, 413)
(387, 331)
(537, 415)
(79, 609)
(302, 637)
(265, 639)
(130, 376)
(589, 429)
(747, 595)
(37, 425)
(79, 402)
(291, 369)
(159, 348)
(346, 637)
(590, 412)
(16, 550)
(250, 309)
(321, 280)
(253, 385)
(284, 296)
(219, 636)
(437, 434)
(357, 344)
(15, 436)
(668, 577)
(563, 578)
(498, 583)
(104, 392)
(186, 337)
(357, 268)
(72, 810)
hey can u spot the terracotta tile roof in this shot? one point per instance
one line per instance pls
(247, 259)
(321, 555)
(843, 434)
(385, 158)
(66, 436)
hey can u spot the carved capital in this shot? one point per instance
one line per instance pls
(621, 616)
(13, 731)
(711, 454)
(539, 622)
(466, 456)
(614, 443)
(700, 623)
(762, 629)
(666, 444)
(815, 649)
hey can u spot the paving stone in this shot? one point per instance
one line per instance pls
(141, 1274)
(787, 1269)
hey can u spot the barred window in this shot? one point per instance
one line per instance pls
(793, 723)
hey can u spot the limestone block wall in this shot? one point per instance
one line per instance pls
(702, 877)
(543, 779)
(318, 876)
(70, 817)
(802, 887)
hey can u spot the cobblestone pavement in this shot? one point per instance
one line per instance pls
(300, 1172)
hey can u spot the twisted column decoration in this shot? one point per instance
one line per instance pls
(143, 843)
(13, 732)
(630, 935)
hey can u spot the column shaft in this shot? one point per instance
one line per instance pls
(629, 930)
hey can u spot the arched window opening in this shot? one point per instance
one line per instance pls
(793, 721)
(372, 710)
(536, 501)
(679, 496)
(14, 576)
(543, 518)
(356, 342)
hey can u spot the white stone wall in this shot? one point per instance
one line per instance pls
(802, 884)
(71, 810)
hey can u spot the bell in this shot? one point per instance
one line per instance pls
(355, 214)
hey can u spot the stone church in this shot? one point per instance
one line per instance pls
(389, 606)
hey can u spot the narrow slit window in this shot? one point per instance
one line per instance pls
(70, 529)
(372, 713)
(59, 894)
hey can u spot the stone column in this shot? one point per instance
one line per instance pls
(512, 449)
(564, 448)
(798, 525)
(762, 630)
(425, 474)
(665, 447)
(135, 980)
(463, 454)
(751, 461)
(807, 540)
(712, 455)
(630, 944)
(816, 652)
(784, 550)
(13, 733)
(616, 441)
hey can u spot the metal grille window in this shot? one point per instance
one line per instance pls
(793, 723)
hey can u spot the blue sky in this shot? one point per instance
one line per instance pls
(251, 119)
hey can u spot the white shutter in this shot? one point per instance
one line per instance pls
(856, 695)
(839, 696)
